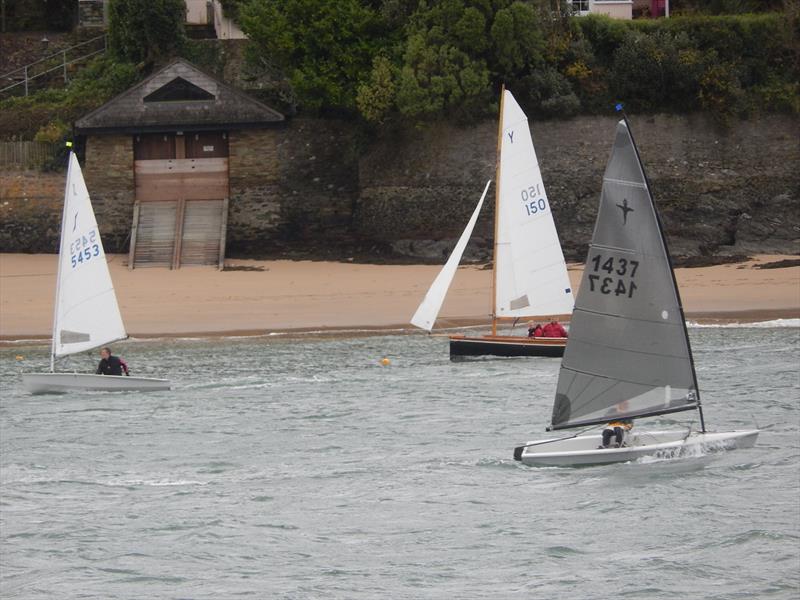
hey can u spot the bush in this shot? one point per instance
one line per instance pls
(656, 72)
(146, 31)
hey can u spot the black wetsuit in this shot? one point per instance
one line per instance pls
(109, 366)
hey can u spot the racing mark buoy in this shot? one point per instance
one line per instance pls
(385, 361)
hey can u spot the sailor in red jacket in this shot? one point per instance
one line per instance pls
(554, 329)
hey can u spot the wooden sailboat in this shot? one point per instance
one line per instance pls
(628, 354)
(529, 273)
(86, 314)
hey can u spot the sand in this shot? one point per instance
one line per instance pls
(258, 297)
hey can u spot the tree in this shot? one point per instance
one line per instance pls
(146, 31)
(324, 47)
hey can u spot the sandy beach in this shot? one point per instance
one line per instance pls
(257, 297)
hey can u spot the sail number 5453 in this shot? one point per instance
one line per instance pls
(618, 270)
(532, 200)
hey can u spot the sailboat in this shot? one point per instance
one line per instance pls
(628, 355)
(86, 313)
(529, 276)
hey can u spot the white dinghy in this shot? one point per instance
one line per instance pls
(530, 277)
(628, 354)
(86, 313)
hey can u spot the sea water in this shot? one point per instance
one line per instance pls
(300, 467)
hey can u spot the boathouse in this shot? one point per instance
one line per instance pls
(171, 156)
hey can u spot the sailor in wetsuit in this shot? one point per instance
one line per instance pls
(110, 365)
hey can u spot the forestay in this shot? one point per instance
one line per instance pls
(531, 275)
(429, 309)
(628, 353)
(86, 312)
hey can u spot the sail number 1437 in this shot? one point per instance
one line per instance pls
(617, 270)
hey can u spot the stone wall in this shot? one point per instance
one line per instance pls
(304, 188)
(720, 191)
(108, 171)
(291, 188)
(30, 211)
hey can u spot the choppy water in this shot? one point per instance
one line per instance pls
(301, 468)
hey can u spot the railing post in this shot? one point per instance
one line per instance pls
(26, 81)
(64, 58)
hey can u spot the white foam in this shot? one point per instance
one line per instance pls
(775, 323)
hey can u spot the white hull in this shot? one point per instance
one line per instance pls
(59, 383)
(583, 450)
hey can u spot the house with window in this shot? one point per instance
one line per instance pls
(621, 9)
(616, 9)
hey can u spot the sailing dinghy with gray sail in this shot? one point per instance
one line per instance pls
(628, 355)
(86, 313)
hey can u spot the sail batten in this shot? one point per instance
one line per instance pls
(628, 354)
(86, 313)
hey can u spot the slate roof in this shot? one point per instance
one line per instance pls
(170, 99)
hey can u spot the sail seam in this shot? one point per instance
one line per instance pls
(619, 379)
(624, 182)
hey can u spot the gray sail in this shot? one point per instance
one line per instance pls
(628, 354)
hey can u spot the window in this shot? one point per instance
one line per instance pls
(580, 6)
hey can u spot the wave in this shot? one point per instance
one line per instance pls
(774, 323)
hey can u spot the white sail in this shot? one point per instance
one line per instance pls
(86, 313)
(429, 309)
(531, 275)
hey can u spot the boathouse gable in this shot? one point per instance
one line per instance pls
(166, 156)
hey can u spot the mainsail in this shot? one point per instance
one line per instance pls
(628, 353)
(530, 273)
(86, 313)
(428, 310)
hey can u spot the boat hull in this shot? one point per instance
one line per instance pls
(503, 345)
(60, 383)
(583, 450)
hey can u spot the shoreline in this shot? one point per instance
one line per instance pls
(300, 298)
(742, 318)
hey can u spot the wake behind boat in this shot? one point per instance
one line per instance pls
(530, 277)
(629, 354)
(86, 313)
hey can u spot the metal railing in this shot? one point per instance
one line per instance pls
(58, 61)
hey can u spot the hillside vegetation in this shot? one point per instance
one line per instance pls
(404, 61)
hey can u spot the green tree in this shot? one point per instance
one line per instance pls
(656, 72)
(146, 31)
(323, 47)
(457, 51)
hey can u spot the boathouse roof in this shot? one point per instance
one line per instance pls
(178, 96)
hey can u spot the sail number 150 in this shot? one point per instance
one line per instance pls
(617, 269)
(532, 200)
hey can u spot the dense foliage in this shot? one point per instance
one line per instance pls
(40, 15)
(45, 115)
(146, 31)
(403, 59)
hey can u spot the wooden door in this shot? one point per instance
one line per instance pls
(188, 173)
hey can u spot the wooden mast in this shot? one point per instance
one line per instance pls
(497, 210)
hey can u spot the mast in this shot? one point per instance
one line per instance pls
(671, 270)
(60, 254)
(497, 210)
